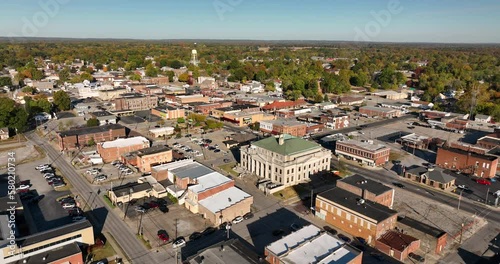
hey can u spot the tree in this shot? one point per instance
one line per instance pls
(29, 90)
(12, 115)
(5, 81)
(184, 77)
(151, 71)
(62, 100)
(93, 122)
(91, 142)
(181, 120)
(135, 77)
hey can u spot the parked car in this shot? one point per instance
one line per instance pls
(78, 218)
(344, 238)
(237, 220)
(67, 199)
(248, 215)
(209, 230)
(397, 184)
(162, 235)
(58, 184)
(100, 178)
(54, 180)
(483, 182)
(330, 230)
(195, 236)
(140, 209)
(179, 242)
(224, 225)
(416, 257)
(115, 162)
(48, 175)
(49, 170)
(216, 150)
(68, 205)
(153, 204)
(163, 208)
(42, 166)
(128, 172)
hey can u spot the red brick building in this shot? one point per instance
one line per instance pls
(168, 112)
(335, 122)
(112, 150)
(489, 141)
(206, 109)
(135, 101)
(145, 158)
(397, 244)
(75, 138)
(368, 189)
(363, 152)
(278, 105)
(435, 238)
(278, 127)
(355, 215)
(484, 166)
(380, 111)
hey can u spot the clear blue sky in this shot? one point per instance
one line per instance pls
(409, 21)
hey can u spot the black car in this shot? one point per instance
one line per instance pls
(163, 208)
(188, 135)
(161, 201)
(397, 184)
(146, 206)
(344, 238)
(67, 200)
(217, 150)
(209, 230)
(248, 215)
(330, 230)
(195, 236)
(278, 232)
(224, 225)
(416, 257)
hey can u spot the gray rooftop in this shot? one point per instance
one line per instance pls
(368, 209)
(378, 109)
(132, 187)
(53, 233)
(234, 252)
(90, 130)
(361, 182)
(192, 171)
(434, 174)
(51, 256)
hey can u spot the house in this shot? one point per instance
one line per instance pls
(355, 215)
(368, 189)
(143, 159)
(482, 118)
(285, 159)
(372, 111)
(76, 138)
(128, 192)
(433, 177)
(397, 244)
(310, 245)
(253, 87)
(112, 150)
(278, 127)
(364, 152)
(433, 238)
(104, 117)
(480, 165)
(168, 112)
(4, 133)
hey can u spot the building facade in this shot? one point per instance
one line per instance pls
(368, 189)
(168, 112)
(135, 101)
(335, 121)
(363, 152)
(354, 215)
(76, 138)
(432, 177)
(484, 166)
(397, 244)
(278, 127)
(285, 159)
(380, 111)
(112, 150)
(144, 158)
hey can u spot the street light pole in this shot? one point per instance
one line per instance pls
(459, 200)
(487, 192)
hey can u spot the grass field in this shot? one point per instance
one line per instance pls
(229, 169)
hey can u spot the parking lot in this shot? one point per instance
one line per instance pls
(46, 213)
(104, 174)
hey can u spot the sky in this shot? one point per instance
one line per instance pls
(443, 21)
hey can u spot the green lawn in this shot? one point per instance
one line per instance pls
(292, 191)
(229, 169)
(104, 252)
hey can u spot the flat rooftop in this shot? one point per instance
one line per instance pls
(101, 113)
(224, 199)
(473, 154)
(378, 109)
(185, 169)
(51, 256)
(361, 182)
(125, 142)
(350, 201)
(149, 151)
(236, 107)
(414, 138)
(52, 233)
(363, 145)
(420, 226)
(90, 130)
(234, 252)
(131, 187)
(284, 122)
(209, 181)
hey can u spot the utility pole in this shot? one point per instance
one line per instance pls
(488, 192)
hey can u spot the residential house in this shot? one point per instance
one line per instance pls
(433, 177)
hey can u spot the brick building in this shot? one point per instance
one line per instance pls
(135, 101)
(168, 112)
(354, 215)
(489, 141)
(186, 99)
(112, 150)
(380, 111)
(432, 239)
(223, 111)
(368, 189)
(75, 138)
(397, 244)
(280, 105)
(363, 152)
(206, 109)
(484, 166)
(310, 245)
(335, 121)
(144, 158)
(432, 177)
(278, 127)
(245, 118)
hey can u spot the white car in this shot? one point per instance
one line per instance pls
(124, 169)
(68, 205)
(48, 175)
(198, 154)
(237, 220)
(128, 172)
(100, 178)
(23, 187)
(42, 166)
(179, 243)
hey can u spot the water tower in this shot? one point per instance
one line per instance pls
(194, 57)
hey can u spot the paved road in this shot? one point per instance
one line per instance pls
(465, 205)
(111, 223)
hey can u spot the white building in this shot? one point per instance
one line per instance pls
(161, 131)
(254, 87)
(285, 159)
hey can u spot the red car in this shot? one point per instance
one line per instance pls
(163, 236)
(483, 182)
(153, 204)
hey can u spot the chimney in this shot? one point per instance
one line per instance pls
(281, 139)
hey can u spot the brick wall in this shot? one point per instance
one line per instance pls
(69, 142)
(215, 190)
(383, 199)
(469, 163)
(77, 259)
(228, 214)
(111, 154)
(144, 162)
